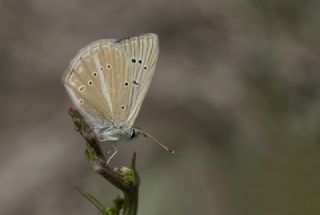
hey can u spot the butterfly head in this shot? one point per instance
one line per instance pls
(134, 133)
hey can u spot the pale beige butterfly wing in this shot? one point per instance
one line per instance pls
(99, 82)
(142, 51)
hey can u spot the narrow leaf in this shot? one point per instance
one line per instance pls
(94, 201)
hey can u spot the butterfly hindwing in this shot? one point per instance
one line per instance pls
(98, 82)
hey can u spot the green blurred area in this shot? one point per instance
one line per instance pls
(236, 94)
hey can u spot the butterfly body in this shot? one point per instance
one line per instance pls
(107, 82)
(114, 133)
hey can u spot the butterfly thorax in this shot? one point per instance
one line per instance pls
(114, 133)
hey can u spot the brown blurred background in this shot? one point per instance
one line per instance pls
(236, 94)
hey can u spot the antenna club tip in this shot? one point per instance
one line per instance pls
(172, 151)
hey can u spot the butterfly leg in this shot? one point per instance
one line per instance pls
(114, 151)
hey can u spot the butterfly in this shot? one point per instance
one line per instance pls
(107, 82)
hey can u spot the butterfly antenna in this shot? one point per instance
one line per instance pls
(155, 140)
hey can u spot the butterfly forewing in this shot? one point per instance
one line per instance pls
(98, 81)
(142, 51)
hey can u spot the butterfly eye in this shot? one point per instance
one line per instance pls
(145, 67)
(122, 107)
(140, 61)
(81, 101)
(94, 74)
(126, 83)
(134, 134)
(82, 88)
(109, 66)
(90, 82)
(101, 68)
(133, 60)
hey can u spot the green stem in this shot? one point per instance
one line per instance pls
(130, 205)
(126, 179)
(131, 198)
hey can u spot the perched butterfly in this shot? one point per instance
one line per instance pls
(107, 82)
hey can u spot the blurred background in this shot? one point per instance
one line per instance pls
(235, 93)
